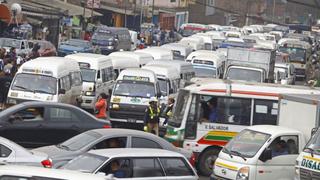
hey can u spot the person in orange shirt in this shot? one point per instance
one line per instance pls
(101, 106)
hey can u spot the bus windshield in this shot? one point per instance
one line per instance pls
(205, 72)
(88, 75)
(134, 89)
(40, 83)
(180, 109)
(295, 54)
(247, 143)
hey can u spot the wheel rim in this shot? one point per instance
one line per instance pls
(209, 161)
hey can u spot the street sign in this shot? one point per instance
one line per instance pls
(96, 4)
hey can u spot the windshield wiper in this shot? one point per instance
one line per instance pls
(310, 149)
(41, 91)
(228, 152)
(239, 154)
(63, 147)
(22, 87)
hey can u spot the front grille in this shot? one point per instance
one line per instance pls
(127, 111)
(309, 175)
(300, 71)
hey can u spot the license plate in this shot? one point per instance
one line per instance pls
(132, 120)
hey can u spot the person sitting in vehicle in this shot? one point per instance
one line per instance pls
(213, 114)
(280, 148)
(113, 143)
(116, 170)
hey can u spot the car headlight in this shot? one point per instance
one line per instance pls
(243, 173)
(115, 106)
(89, 93)
(12, 101)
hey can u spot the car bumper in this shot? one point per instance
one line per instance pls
(87, 102)
(214, 177)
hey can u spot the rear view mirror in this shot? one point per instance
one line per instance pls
(62, 91)
(266, 155)
(313, 131)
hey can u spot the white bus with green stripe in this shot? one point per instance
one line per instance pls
(238, 105)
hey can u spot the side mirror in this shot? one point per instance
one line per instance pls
(158, 95)
(62, 91)
(110, 92)
(266, 155)
(313, 131)
(99, 81)
(170, 91)
(11, 119)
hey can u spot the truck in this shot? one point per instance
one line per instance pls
(273, 151)
(251, 65)
(304, 110)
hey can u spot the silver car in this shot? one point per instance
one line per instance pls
(134, 163)
(13, 153)
(104, 139)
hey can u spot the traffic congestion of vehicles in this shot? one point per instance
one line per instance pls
(223, 102)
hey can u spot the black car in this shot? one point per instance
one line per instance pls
(34, 124)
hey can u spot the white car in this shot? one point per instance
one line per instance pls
(13, 153)
(134, 164)
(15, 172)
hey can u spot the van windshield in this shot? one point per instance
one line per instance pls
(134, 89)
(247, 143)
(296, 54)
(40, 83)
(244, 75)
(205, 72)
(180, 108)
(88, 75)
(314, 144)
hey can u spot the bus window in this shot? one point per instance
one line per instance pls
(180, 108)
(225, 110)
(265, 112)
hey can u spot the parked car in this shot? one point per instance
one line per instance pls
(74, 46)
(34, 123)
(46, 48)
(22, 46)
(14, 172)
(106, 138)
(135, 164)
(13, 153)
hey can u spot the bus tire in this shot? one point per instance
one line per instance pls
(206, 161)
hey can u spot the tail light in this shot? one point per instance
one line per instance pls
(106, 126)
(192, 159)
(47, 163)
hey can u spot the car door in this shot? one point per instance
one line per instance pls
(281, 166)
(62, 124)
(25, 126)
(177, 168)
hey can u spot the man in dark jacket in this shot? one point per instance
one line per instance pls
(5, 81)
(152, 117)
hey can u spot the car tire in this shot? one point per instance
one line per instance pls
(206, 161)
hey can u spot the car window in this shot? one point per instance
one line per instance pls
(28, 114)
(176, 167)
(146, 167)
(118, 142)
(4, 151)
(120, 168)
(138, 142)
(88, 163)
(284, 145)
(59, 114)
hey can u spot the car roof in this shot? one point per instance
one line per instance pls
(134, 152)
(29, 171)
(271, 129)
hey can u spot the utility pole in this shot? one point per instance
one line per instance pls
(152, 12)
(273, 9)
(125, 13)
(141, 11)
